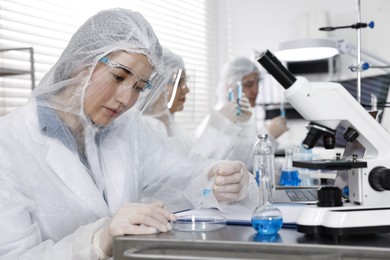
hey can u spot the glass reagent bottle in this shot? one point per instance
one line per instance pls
(266, 218)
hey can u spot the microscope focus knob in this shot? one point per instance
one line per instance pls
(379, 178)
(329, 196)
(350, 134)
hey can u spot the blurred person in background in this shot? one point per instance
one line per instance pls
(160, 112)
(230, 130)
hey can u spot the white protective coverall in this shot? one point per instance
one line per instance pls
(158, 113)
(53, 198)
(217, 136)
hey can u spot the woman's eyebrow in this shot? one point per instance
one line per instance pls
(125, 69)
(122, 67)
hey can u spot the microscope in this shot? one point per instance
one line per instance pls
(326, 106)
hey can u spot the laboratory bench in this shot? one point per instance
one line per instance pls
(242, 242)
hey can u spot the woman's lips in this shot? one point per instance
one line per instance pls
(113, 112)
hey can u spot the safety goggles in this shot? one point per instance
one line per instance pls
(147, 87)
(137, 81)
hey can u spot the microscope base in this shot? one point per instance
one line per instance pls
(344, 221)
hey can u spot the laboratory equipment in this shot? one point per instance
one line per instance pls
(266, 218)
(241, 243)
(308, 177)
(199, 222)
(282, 109)
(231, 94)
(264, 159)
(289, 175)
(205, 192)
(239, 96)
(327, 105)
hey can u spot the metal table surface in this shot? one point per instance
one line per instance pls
(242, 242)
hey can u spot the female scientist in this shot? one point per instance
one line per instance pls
(74, 169)
(160, 112)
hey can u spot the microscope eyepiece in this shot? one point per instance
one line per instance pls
(276, 69)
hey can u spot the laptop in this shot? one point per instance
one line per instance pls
(301, 195)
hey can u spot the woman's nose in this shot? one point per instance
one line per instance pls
(186, 90)
(126, 97)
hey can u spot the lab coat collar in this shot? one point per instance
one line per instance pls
(68, 167)
(75, 176)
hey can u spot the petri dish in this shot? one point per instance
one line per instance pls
(199, 222)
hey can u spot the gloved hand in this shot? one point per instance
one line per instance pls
(277, 126)
(135, 218)
(229, 110)
(231, 181)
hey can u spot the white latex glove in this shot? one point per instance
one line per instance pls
(229, 110)
(135, 219)
(277, 126)
(231, 181)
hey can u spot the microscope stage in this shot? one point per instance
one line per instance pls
(330, 164)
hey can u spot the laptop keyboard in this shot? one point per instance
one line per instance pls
(302, 194)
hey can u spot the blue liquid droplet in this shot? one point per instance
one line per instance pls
(267, 225)
(206, 192)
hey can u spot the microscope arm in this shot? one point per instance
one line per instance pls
(328, 105)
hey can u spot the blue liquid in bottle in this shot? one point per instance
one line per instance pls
(289, 175)
(289, 178)
(266, 218)
(267, 225)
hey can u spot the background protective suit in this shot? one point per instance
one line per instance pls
(53, 196)
(158, 112)
(218, 136)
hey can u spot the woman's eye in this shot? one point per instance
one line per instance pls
(248, 84)
(118, 78)
(138, 88)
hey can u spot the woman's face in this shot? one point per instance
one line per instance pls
(116, 83)
(181, 92)
(250, 86)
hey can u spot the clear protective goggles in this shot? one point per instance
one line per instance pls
(147, 88)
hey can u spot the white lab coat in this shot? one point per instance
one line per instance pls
(220, 138)
(50, 207)
(177, 137)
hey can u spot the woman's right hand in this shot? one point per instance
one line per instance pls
(135, 219)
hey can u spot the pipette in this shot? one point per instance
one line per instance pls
(205, 192)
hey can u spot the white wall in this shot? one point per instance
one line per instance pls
(257, 25)
(263, 24)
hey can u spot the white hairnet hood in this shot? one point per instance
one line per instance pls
(233, 72)
(172, 63)
(106, 32)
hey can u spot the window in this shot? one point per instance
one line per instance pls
(183, 26)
